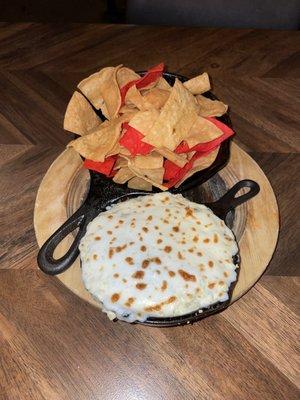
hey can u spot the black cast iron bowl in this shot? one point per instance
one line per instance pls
(95, 205)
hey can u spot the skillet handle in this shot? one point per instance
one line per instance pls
(45, 259)
(229, 201)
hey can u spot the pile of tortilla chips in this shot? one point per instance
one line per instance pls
(154, 133)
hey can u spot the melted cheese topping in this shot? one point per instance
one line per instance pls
(159, 255)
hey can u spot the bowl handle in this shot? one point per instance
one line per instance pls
(46, 260)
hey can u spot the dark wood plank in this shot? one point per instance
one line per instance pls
(201, 361)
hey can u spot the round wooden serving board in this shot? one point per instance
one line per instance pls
(255, 223)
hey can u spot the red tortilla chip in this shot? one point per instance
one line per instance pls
(104, 167)
(151, 76)
(208, 146)
(132, 140)
(170, 170)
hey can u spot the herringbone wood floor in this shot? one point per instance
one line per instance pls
(54, 346)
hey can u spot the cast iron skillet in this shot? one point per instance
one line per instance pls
(95, 205)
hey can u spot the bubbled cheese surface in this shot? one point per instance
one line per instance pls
(157, 255)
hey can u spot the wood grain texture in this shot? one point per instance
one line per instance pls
(55, 346)
(255, 225)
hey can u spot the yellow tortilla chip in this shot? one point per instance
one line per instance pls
(155, 98)
(80, 118)
(118, 149)
(154, 176)
(134, 97)
(126, 75)
(210, 108)
(95, 146)
(121, 162)
(139, 184)
(175, 119)
(150, 161)
(144, 120)
(178, 159)
(163, 84)
(123, 175)
(200, 164)
(103, 86)
(127, 108)
(198, 85)
(202, 131)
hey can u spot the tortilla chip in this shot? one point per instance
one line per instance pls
(175, 119)
(95, 146)
(210, 108)
(80, 118)
(125, 75)
(202, 131)
(118, 149)
(103, 86)
(139, 184)
(127, 108)
(143, 121)
(177, 159)
(150, 161)
(200, 164)
(123, 175)
(199, 84)
(121, 162)
(155, 98)
(134, 97)
(163, 84)
(154, 176)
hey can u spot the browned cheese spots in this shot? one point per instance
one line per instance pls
(121, 248)
(129, 260)
(186, 276)
(141, 286)
(145, 264)
(129, 302)
(115, 297)
(110, 252)
(138, 275)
